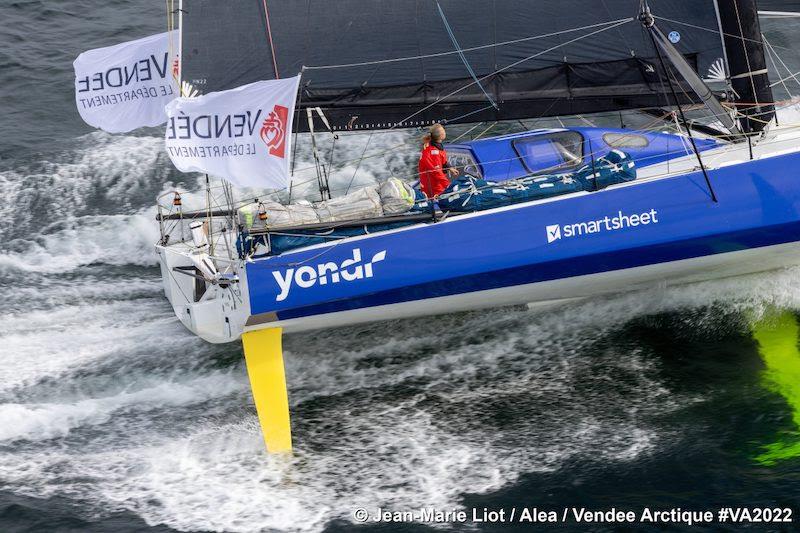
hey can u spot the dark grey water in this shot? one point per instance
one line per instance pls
(114, 418)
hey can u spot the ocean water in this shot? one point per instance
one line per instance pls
(115, 418)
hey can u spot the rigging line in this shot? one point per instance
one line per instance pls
(171, 41)
(359, 164)
(541, 116)
(169, 24)
(464, 57)
(791, 76)
(678, 129)
(553, 170)
(744, 51)
(594, 153)
(484, 132)
(621, 34)
(355, 159)
(695, 26)
(320, 180)
(296, 121)
(330, 154)
(771, 55)
(465, 115)
(209, 215)
(370, 156)
(511, 65)
(780, 59)
(652, 125)
(707, 112)
(683, 117)
(470, 49)
(407, 143)
(477, 124)
(269, 36)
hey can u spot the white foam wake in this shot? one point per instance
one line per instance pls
(91, 205)
(398, 424)
(104, 175)
(40, 421)
(107, 239)
(55, 343)
(402, 423)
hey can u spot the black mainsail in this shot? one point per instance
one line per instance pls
(392, 62)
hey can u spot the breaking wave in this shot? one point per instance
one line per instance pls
(47, 420)
(107, 239)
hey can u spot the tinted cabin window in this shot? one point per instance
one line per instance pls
(463, 161)
(551, 153)
(625, 140)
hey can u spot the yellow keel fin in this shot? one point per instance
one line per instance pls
(777, 335)
(263, 354)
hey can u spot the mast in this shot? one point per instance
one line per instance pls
(180, 47)
(747, 63)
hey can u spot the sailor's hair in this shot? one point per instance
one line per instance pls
(434, 133)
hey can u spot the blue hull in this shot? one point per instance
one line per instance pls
(628, 226)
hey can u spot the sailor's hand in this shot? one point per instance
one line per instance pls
(453, 171)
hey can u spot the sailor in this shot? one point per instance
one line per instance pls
(433, 166)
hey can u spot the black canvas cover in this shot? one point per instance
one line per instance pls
(582, 64)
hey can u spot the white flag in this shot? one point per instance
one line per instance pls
(123, 87)
(242, 135)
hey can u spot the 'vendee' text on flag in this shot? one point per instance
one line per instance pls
(241, 135)
(126, 86)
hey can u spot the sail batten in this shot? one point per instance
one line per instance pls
(376, 66)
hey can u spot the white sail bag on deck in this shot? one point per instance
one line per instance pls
(397, 196)
(278, 215)
(360, 204)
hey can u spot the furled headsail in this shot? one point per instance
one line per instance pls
(393, 62)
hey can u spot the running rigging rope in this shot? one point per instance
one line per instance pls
(464, 57)
(667, 73)
(269, 36)
(510, 66)
(470, 49)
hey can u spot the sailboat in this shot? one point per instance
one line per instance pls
(711, 190)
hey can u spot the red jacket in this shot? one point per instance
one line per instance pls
(432, 165)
